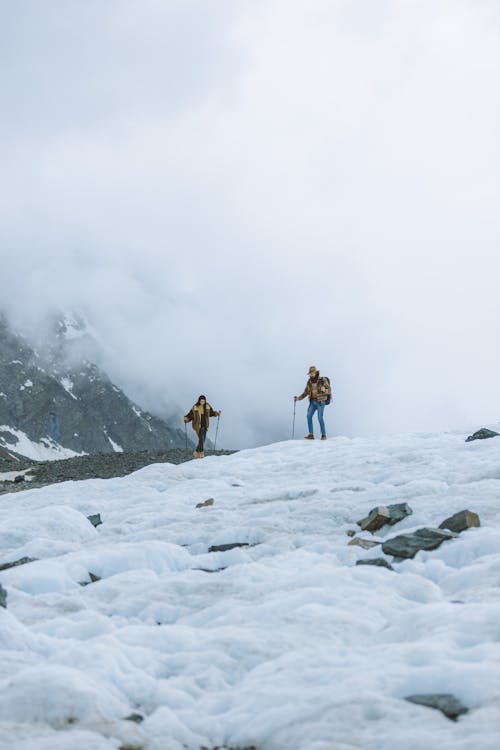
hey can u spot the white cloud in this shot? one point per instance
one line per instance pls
(235, 191)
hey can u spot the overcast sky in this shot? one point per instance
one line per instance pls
(234, 190)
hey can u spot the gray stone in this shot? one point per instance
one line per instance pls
(205, 504)
(21, 561)
(482, 434)
(364, 543)
(407, 545)
(136, 718)
(378, 561)
(95, 519)
(3, 597)
(350, 532)
(385, 515)
(398, 511)
(226, 547)
(19, 478)
(464, 519)
(444, 702)
(375, 519)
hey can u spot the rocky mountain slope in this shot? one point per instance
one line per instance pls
(57, 403)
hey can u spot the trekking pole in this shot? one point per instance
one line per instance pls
(293, 425)
(216, 433)
(186, 432)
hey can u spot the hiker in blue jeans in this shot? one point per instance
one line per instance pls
(319, 391)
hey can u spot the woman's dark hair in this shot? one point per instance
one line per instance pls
(199, 399)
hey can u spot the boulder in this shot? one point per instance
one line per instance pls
(481, 434)
(444, 702)
(379, 561)
(383, 515)
(19, 478)
(21, 561)
(375, 519)
(95, 519)
(3, 597)
(464, 519)
(350, 532)
(407, 545)
(364, 543)
(226, 547)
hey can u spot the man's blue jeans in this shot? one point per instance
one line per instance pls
(314, 406)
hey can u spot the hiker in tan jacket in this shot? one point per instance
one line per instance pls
(319, 392)
(200, 415)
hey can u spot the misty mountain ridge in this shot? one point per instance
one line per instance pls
(55, 402)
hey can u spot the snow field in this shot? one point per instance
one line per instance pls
(283, 644)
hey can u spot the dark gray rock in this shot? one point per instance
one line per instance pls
(378, 561)
(406, 546)
(3, 597)
(136, 718)
(398, 511)
(92, 579)
(385, 515)
(21, 561)
(226, 547)
(464, 519)
(444, 702)
(482, 434)
(95, 519)
(19, 478)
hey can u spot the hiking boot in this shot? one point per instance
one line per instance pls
(201, 454)
(196, 454)
(323, 437)
(309, 437)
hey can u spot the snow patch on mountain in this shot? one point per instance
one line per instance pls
(44, 450)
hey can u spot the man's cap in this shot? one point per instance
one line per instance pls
(312, 369)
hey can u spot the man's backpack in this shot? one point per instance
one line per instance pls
(329, 388)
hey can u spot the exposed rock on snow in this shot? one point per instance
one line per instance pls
(407, 545)
(364, 543)
(227, 547)
(383, 515)
(444, 702)
(379, 561)
(21, 561)
(483, 434)
(205, 504)
(95, 519)
(464, 519)
(3, 597)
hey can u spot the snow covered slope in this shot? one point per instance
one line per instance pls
(284, 644)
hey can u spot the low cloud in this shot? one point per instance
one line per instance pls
(233, 195)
